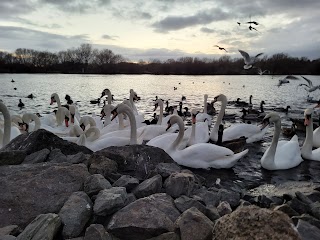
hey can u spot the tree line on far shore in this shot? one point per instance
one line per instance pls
(85, 59)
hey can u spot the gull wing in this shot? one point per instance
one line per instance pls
(308, 81)
(245, 55)
(259, 54)
(291, 77)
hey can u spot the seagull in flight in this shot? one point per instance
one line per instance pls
(262, 72)
(239, 23)
(252, 28)
(286, 79)
(249, 61)
(310, 86)
(253, 22)
(221, 48)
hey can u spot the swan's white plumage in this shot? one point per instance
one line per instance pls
(306, 150)
(281, 154)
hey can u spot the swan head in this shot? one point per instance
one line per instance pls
(307, 116)
(105, 92)
(219, 98)
(53, 98)
(270, 118)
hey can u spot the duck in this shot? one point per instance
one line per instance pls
(201, 155)
(236, 145)
(251, 132)
(20, 104)
(306, 150)
(289, 131)
(282, 154)
(282, 109)
(30, 96)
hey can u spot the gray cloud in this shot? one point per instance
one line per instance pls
(10, 9)
(105, 36)
(17, 37)
(207, 30)
(179, 22)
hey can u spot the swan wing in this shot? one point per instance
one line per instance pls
(288, 154)
(240, 130)
(316, 137)
(308, 81)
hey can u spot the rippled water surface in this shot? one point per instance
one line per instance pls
(83, 88)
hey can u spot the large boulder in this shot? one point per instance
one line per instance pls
(145, 218)
(139, 161)
(31, 189)
(40, 139)
(252, 222)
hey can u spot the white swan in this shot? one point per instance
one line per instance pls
(81, 137)
(306, 150)
(249, 61)
(251, 132)
(202, 155)
(159, 103)
(7, 124)
(118, 141)
(281, 154)
(316, 137)
(204, 117)
(199, 131)
(27, 118)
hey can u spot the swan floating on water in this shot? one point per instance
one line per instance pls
(282, 154)
(201, 155)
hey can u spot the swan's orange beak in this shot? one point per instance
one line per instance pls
(194, 119)
(66, 121)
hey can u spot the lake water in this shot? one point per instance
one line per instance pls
(83, 88)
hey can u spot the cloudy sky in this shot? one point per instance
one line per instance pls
(163, 29)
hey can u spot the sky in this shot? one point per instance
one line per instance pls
(163, 29)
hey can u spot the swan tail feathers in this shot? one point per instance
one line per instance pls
(228, 161)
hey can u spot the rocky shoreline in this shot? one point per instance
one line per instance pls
(54, 189)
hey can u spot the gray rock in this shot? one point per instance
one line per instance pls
(308, 218)
(253, 222)
(80, 157)
(183, 203)
(224, 208)
(313, 208)
(178, 184)
(145, 218)
(40, 139)
(7, 237)
(126, 181)
(148, 187)
(287, 210)
(8, 157)
(308, 231)
(96, 232)
(99, 164)
(233, 198)
(56, 156)
(212, 213)
(95, 183)
(75, 213)
(194, 225)
(210, 198)
(299, 206)
(10, 230)
(166, 236)
(165, 169)
(37, 157)
(44, 226)
(28, 190)
(138, 161)
(109, 201)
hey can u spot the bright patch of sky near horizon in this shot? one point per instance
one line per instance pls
(163, 29)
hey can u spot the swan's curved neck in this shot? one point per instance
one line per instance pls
(220, 116)
(205, 110)
(269, 158)
(7, 124)
(133, 125)
(193, 130)
(178, 140)
(308, 142)
(109, 97)
(161, 113)
(28, 117)
(56, 97)
(92, 134)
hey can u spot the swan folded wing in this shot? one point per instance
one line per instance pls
(240, 130)
(287, 153)
(228, 161)
(164, 141)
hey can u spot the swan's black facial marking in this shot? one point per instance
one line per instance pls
(265, 122)
(53, 100)
(307, 119)
(114, 113)
(82, 126)
(168, 125)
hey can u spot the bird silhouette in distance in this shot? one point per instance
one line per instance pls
(20, 104)
(249, 61)
(239, 23)
(309, 85)
(221, 48)
(253, 22)
(12, 80)
(252, 28)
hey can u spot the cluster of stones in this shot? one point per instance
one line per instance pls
(53, 189)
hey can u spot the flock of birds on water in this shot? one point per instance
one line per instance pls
(201, 145)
